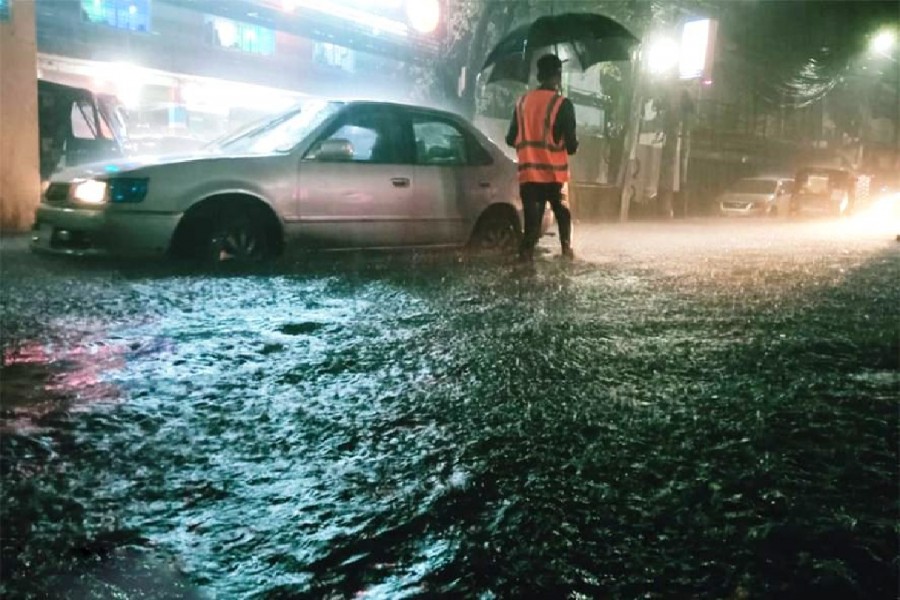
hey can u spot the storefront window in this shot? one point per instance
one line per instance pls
(235, 35)
(133, 15)
(4, 10)
(332, 55)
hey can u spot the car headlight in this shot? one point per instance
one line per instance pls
(90, 191)
(126, 190)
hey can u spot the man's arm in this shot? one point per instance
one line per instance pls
(513, 131)
(564, 128)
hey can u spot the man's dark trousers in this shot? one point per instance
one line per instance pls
(535, 197)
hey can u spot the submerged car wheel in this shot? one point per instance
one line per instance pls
(496, 232)
(238, 235)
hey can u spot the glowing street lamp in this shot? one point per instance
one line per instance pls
(423, 15)
(662, 56)
(883, 42)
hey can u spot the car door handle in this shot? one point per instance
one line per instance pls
(400, 182)
(484, 184)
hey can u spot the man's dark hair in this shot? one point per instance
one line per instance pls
(548, 67)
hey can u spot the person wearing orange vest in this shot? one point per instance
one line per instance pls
(543, 133)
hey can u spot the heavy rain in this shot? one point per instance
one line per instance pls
(272, 325)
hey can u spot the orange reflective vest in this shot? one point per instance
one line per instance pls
(541, 159)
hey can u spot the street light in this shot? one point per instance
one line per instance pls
(424, 15)
(882, 45)
(662, 56)
(883, 42)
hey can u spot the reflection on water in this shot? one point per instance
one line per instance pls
(425, 426)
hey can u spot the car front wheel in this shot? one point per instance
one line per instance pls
(496, 233)
(238, 235)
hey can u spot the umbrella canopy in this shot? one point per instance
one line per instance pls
(585, 37)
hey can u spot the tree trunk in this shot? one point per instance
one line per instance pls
(668, 165)
(625, 176)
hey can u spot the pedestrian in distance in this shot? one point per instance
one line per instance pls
(542, 131)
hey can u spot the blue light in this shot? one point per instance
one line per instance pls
(127, 191)
(111, 169)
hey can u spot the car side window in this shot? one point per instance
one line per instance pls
(439, 143)
(478, 156)
(83, 126)
(371, 136)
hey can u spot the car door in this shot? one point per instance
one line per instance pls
(355, 185)
(453, 182)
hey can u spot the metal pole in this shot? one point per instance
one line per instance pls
(624, 178)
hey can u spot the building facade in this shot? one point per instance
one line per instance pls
(193, 70)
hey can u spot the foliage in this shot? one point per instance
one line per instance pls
(474, 26)
(793, 70)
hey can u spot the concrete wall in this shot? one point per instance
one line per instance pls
(20, 185)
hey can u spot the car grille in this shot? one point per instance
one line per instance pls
(732, 205)
(57, 193)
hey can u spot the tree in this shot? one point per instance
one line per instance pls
(475, 26)
(472, 26)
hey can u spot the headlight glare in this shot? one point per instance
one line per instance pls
(126, 190)
(90, 191)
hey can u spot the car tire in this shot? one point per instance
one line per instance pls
(496, 233)
(238, 236)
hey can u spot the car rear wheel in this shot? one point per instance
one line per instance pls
(238, 235)
(496, 233)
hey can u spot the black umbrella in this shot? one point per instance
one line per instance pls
(586, 37)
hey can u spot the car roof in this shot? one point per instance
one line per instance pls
(405, 106)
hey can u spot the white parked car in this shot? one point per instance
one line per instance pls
(323, 175)
(754, 196)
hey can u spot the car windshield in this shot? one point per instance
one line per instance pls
(281, 133)
(755, 186)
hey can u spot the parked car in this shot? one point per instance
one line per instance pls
(162, 144)
(754, 196)
(76, 126)
(825, 191)
(324, 175)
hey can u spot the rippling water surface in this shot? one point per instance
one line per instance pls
(671, 415)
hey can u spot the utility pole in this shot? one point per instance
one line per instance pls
(627, 164)
(668, 163)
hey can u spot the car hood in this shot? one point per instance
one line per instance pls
(739, 197)
(122, 166)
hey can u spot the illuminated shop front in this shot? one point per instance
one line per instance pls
(191, 72)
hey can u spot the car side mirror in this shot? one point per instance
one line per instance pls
(332, 150)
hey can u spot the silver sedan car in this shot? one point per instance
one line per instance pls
(322, 175)
(754, 196)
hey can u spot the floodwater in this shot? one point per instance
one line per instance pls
(702, 408)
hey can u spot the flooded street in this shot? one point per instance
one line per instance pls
(691, 409)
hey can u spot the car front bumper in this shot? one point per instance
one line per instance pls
(740, 209)
(76, 231)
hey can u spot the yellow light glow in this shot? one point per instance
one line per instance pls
(90, 191)
(884, 42)
(662, 56)
(423, 15)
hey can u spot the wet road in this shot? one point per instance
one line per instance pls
(702, 408)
